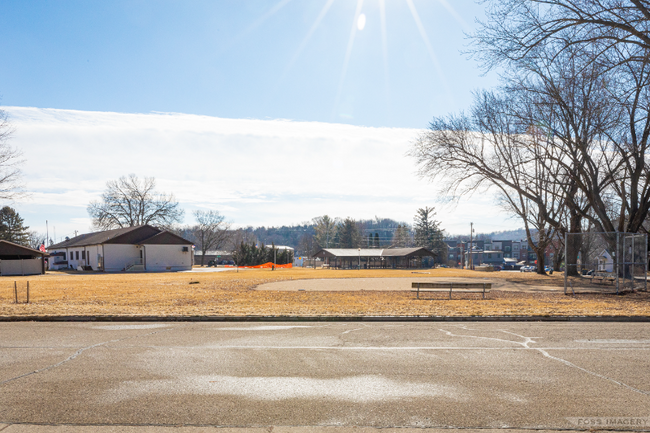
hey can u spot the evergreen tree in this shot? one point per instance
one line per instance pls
(325, 231)
(349, 236)
(376, 240)
(428, 233)
(370, 240)
(12, 227)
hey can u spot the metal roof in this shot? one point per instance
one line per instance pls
(374, 252)
(349, 252)
(407, 252)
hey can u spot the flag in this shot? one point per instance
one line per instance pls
(42, 247)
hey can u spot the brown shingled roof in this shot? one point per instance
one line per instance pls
(126, 235)
(11, 249)
(165, 238)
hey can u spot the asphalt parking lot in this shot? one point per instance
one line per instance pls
(490, 375)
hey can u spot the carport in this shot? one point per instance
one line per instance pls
(20, 260)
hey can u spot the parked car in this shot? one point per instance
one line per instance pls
(528, 269)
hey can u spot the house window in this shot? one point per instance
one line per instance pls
(83, 255)
(451, 256)
(489, 256)
(77, 255)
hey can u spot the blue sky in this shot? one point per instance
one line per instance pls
(376, 65)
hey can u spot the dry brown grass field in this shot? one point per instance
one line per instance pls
(233, 294)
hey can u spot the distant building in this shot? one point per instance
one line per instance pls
(216, 256)
(374, 257)
(605, 262)
(140, 248)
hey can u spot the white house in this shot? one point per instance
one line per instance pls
(140, 248)
(605, 262)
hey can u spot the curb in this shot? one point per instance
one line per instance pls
(641, 319)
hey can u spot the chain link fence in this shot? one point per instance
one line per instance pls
(606, 261)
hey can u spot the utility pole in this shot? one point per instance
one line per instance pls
(462, 256)
(471, 246)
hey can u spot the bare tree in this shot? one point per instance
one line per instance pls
(491, 148)
(308, 245)
(211, 231)
(516, 29)
(35, 239)
(10, 161)
(241, 236)
(129, 202)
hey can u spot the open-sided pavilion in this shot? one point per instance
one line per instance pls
(374, 257)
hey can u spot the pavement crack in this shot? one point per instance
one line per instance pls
(352, 330)
(528, 340)
(593, 373)
(76, 354)
(525, 345)
(484, 338)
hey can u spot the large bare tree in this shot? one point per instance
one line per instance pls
(129, 202)
(491, 148)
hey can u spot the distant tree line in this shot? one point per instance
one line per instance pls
(250, 254)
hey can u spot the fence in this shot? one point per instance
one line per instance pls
(596, 260)
(20, 295)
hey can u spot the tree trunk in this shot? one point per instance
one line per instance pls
(573, 244)
(540, 260)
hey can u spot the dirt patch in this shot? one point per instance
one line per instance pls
(395, 284)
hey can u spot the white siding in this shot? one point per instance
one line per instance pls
(93, 251)
(20, 267)
(51, 260)
(168, 258)
(119, 256)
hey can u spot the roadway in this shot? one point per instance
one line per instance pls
(291, 375)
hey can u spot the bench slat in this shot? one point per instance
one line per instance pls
(450, 287)
(455, 290)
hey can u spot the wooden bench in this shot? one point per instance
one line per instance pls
(449, 287)
(603, 277)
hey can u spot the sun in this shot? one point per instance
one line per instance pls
(361, 21)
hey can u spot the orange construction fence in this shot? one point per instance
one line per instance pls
(268, 265)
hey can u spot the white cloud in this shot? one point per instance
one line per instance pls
(255, 172)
